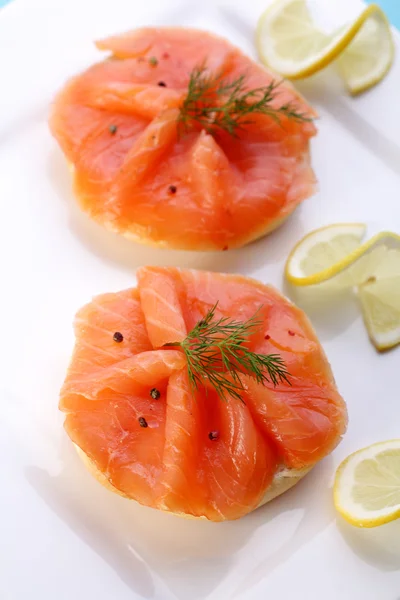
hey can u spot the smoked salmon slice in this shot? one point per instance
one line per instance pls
(137, 174)
(132, 412)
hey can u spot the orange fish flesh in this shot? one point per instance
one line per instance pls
(117, 126)
(171, 463)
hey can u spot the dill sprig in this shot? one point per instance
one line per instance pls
(216, 104)
(215, 351)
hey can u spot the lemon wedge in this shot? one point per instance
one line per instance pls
(367, 485)
(289, 42)
(335, 255)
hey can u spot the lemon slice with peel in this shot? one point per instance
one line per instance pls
(323, 253)
(326, 252)
(367, 485)
(380, 299)
(369, 56)
(335, 255)
(289, 42)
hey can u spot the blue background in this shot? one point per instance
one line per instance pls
(391, 7)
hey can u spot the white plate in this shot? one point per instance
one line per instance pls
(63, 536)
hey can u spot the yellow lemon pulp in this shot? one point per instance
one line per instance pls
(335, 254)
(367, 485)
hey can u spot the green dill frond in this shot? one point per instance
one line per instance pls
(215, 351)
(216, 104)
